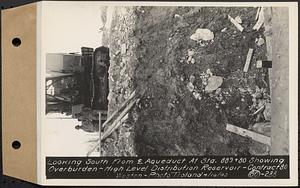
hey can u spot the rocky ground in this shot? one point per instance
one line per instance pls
(188, 89)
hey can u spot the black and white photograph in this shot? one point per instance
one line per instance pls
(165, 80)
(149, 93)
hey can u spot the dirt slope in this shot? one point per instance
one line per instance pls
(149, 52)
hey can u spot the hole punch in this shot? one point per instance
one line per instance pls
(16, 144)
(16, 42)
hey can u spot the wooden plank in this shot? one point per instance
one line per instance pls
(67, 100)
(97, 144)
(259, 110)
(236, 24)
(118, 121)
(246, 133)
(56, 75)
(257, 13)
(248, 59)
(260, 21)
(117, 111)
(115, 124)
(100, 127)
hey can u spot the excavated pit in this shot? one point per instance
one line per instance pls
(149, 52)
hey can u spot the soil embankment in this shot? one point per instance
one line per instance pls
(150, 49)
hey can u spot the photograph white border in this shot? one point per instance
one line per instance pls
(293, 108)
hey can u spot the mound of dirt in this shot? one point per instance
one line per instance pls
(150, 48)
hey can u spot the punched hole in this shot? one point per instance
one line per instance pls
(16, 144)
(16, 42)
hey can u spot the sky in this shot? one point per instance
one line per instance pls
(68, 27)
(65, 28)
